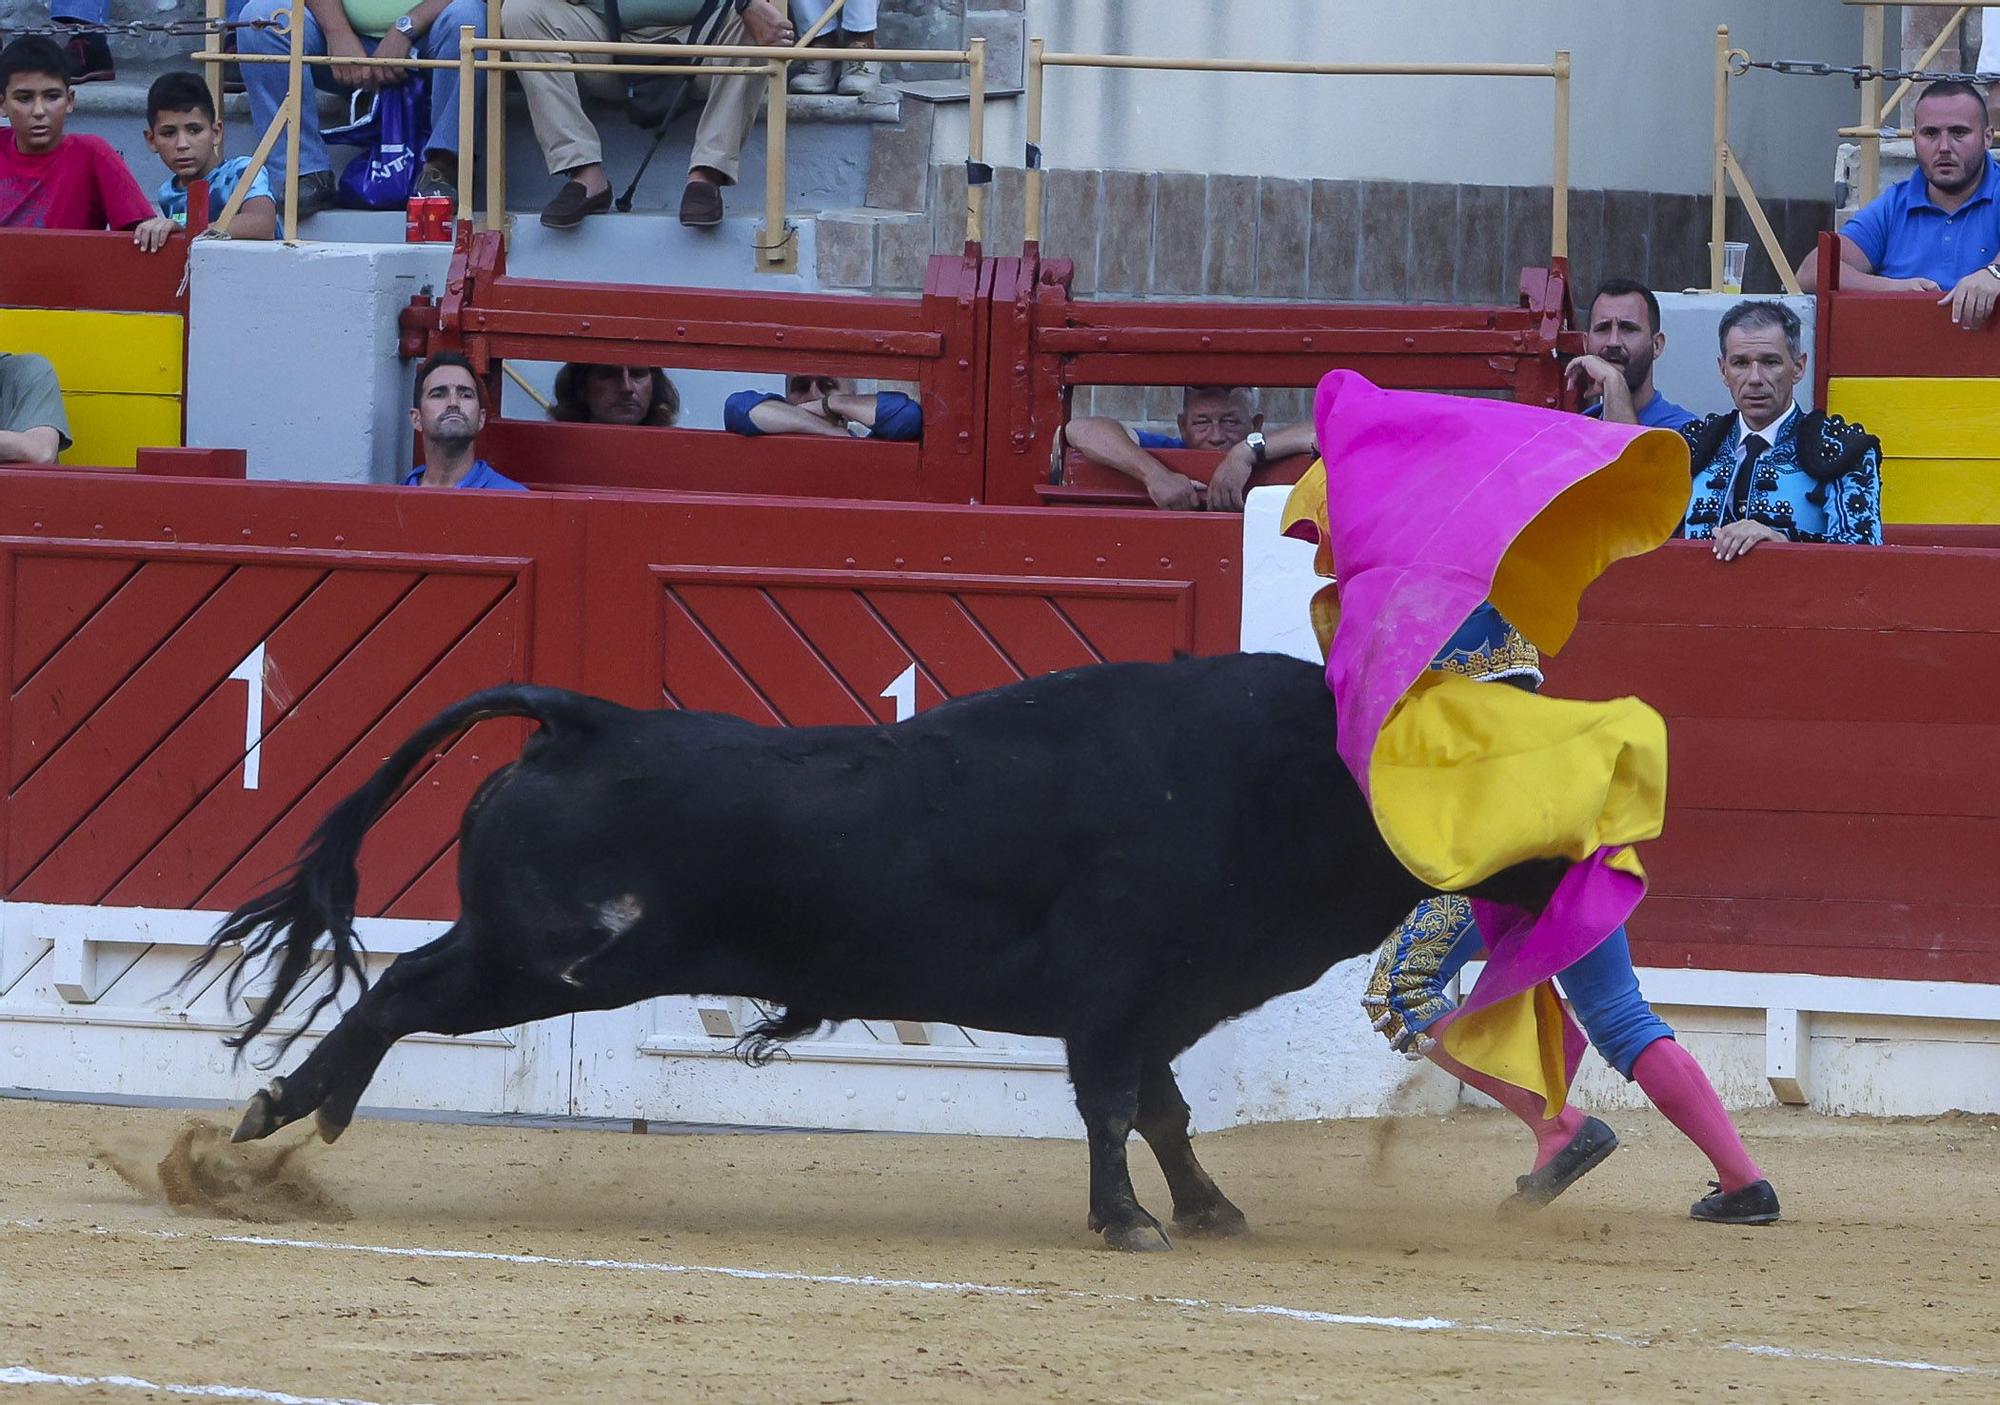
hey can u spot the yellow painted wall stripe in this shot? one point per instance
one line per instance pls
(1923, 417)
(106, 352)
(1941, 490)
(109, 430)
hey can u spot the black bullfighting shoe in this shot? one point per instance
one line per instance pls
(1592, 1143)
(1755, 1203)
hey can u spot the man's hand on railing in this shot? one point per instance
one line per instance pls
(1973, 299)
(352, 75)
(393, 46)
(767, 24)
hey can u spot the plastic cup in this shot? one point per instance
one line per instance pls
(1734, 255)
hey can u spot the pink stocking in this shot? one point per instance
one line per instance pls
(1674, 1081)
(1552, 1134)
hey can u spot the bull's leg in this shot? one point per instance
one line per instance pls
(1106, 1078)
(437, 989)
(1199, 1206)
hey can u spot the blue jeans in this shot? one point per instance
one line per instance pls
(81, 11)
(266, 81)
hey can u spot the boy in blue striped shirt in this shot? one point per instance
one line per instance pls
(184, 132)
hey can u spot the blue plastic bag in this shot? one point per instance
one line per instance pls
(385, 175)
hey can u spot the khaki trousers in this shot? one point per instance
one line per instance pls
(568, 138)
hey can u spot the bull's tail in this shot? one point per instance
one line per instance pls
(285, 923)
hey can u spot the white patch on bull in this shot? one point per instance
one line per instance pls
(618, 915)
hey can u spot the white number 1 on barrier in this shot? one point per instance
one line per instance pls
(903, 693)
(251, 671)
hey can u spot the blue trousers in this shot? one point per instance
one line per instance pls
(1440, 936)
(266, 81)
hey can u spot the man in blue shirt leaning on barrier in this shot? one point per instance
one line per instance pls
(1940, 229)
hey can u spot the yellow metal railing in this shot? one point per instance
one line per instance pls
(777, 241)
(1559, 70)
(1732, 63)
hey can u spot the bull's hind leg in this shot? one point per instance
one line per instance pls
(1105, 1075)
(436, 989)
(1199, 1206)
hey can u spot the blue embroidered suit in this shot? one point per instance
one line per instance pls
(1820, 482)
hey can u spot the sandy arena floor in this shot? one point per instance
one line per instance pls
(469, 1264)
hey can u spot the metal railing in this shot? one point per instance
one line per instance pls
(1728, 172)
(1559, 70)
(777, 239)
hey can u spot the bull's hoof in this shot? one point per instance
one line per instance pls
(1140, 1238)
(1222, 1220)
(329, 1127)
(260, 1119)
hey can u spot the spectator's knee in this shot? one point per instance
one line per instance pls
(268, 40)
(456, 16)
(517, 20)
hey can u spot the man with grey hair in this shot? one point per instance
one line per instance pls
(1212, 417)
(1768, 471)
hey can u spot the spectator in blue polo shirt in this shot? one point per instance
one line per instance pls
(1621, 340)
(1940, 229)
(447, 411)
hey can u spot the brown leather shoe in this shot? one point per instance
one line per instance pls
(573, 204)
(701, 205)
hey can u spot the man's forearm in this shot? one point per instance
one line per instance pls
(38, 445)
(1287, 440)
(783, 417)
(332, 17)
(856, 407)
(1105, 441)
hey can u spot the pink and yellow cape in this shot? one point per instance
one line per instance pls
(1422, 507)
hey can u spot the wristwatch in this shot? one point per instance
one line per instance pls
(1994, 269)
(405, 26)
(1256, 442)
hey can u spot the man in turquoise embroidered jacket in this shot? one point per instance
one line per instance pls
(1769, 471)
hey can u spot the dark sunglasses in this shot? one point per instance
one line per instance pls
(799, 385)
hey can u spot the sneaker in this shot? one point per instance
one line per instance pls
(432, 182)
(813, 77)
(1755, 1203)
(89, 58)
(860, 80)
(573, 204)
(701, 205)
(1592, 1143)
(316, 191)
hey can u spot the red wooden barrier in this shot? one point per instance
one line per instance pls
(937, 341)
(137, 609)
(1833, 743)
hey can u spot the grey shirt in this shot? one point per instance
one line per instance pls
(30, 397)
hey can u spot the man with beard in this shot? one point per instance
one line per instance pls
(588, 394)
(1622, 340)
(447, 412)
(1940, 228)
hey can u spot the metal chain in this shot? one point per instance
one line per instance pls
(1859, 72)
(191, 28)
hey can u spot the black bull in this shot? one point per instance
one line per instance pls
(1121, 857)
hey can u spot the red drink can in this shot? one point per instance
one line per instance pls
(438, 210)
(413, 221)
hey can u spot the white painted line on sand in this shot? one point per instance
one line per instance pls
(1002, 1290)
(28, 1375)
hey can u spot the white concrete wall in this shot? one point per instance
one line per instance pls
(292, 354)
(1640, 101)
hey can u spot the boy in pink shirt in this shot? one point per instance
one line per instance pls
(49, 181)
